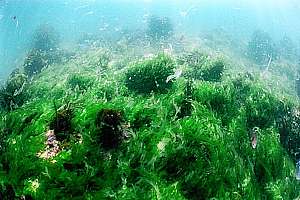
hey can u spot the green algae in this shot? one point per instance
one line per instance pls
(159, 153)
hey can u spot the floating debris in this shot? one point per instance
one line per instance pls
(254, 141)
(14, 18)
(89, 13)
(185, 13)
(176, 75)
(149, 55)
(298, 170)
(254, 138)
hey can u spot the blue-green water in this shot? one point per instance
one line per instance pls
(19, 18)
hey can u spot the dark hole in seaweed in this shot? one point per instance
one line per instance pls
(108, 123)
(61, 123)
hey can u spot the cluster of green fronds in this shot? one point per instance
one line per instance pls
(35, 61)
(77, 81)
(192, 142)
(44, 50)
(150, 75)
(202, 67)
(13, 93)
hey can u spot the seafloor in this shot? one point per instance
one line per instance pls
(131, 120)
